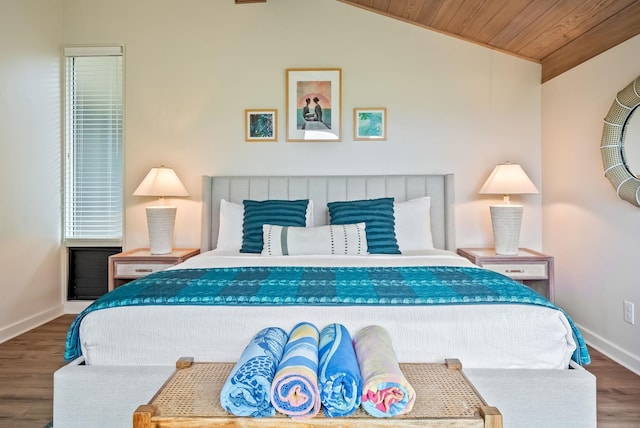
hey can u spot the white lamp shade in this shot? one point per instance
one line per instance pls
(508, 179)
(161, 182)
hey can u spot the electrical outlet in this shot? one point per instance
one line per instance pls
(629, 312)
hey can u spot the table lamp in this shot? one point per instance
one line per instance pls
(506, 218)
(161, 182)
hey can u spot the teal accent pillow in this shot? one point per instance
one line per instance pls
(273, 211)
(379, 219)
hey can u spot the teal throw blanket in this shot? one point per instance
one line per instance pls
(325, 286)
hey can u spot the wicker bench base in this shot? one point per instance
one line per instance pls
(191, 398)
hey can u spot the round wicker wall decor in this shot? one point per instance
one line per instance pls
(616, 169)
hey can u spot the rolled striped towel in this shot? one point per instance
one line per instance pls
(247, 390)
(385, 392)
(294, 390)
(339, 377)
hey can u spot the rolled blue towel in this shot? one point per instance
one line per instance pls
(339, 377)
(247, 391)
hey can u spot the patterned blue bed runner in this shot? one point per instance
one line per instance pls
(325, 286)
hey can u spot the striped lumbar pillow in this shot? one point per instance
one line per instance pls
(273, 211)
(378, 216)
(347, 239)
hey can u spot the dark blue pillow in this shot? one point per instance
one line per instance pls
(379, 219)
(273, 211)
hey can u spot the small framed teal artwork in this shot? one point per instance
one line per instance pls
(261, 125)
(370, 123)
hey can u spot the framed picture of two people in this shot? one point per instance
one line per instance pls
(314, 104)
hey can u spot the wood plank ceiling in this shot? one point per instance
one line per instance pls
(558, 34)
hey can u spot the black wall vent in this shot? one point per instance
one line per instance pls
(89, 272)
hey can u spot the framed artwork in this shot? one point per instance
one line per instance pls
(261, 125)
(314, 104)
(370, 123)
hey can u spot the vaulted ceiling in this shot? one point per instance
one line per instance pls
(558, 34)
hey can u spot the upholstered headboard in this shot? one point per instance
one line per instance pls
(323, 189)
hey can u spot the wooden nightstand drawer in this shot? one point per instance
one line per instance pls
(139, 269)
(137, 263)
(531, 268)
(520, 270)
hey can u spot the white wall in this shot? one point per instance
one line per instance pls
(592, 233)
(194, 66)
(30, 288)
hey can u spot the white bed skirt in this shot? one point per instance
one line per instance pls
(529, 336)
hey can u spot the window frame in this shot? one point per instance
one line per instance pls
(93, 241)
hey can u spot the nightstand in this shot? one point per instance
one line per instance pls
(533, 269)
(129, 265)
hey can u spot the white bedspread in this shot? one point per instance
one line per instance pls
(481, 336)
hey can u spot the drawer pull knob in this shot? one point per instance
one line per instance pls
(515, 271)
(144, 270)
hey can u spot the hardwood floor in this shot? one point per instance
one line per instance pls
(618, 393)
(28, 361)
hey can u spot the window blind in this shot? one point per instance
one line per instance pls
(93, 143)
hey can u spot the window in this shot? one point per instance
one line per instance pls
(93, 145)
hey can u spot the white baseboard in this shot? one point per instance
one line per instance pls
(20, 327)
(76, 306)
(617, 354)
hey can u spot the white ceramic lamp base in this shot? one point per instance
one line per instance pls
(506, 221)
(160, 221)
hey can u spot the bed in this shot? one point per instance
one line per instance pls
(505, 344)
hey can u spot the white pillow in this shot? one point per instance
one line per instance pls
(231, 221)
(230, 226)
(337, 239)
(413, 224)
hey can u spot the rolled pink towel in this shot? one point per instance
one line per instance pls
(385, 392)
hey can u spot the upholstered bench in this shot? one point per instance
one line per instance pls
(525, 397)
